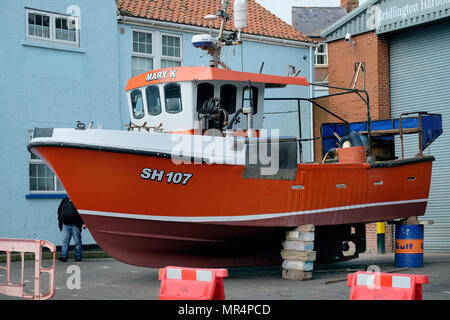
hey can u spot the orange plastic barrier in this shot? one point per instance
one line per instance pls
(23, 246)
(385, 286)
(192, 284)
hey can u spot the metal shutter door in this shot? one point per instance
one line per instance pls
(420, 81)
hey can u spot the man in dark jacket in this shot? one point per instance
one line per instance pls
(70, 223)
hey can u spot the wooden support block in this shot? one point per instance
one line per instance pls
(300, 235)
(305, 228)
(291, 274)
(298, 255)
(298, 265)
(298, 245)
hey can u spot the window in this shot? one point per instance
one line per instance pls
(228, 94)
(171, 51)
(322, 55)
(64, 29)
(246, 98)
(38, 25)
(137, 104)
(142, 58)
(52, 27)
(172, 93)
(42, 178)
(154, 50)
(141, 65)
(205, 91)
(153, 100)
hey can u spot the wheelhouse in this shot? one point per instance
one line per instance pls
(188, 98)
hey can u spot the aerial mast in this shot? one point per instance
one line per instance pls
(214, 45)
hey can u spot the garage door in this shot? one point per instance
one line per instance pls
(420, 81)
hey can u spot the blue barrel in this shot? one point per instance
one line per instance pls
(409, 246)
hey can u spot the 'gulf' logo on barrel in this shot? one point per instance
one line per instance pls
(409, 246)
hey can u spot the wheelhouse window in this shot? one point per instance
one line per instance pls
(137, 105)
(322, 55)
(52, 27)
(205, 91)
(172, 94)
(228, 94)
(41, 177)
(246, 98)
(153, 100)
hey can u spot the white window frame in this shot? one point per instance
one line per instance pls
(77, 28)
(55, 177)
(156, 55)
(325, 54)
(52, 17)
(177, 59)
(141, 54)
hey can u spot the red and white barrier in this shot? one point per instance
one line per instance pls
(385, 286)
(192, 284)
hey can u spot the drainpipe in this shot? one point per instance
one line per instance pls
(311, 66)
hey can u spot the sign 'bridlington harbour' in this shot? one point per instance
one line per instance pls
(385, 13)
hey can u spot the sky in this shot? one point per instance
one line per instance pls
(282, 8)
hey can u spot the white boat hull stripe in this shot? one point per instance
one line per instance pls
(246, 217)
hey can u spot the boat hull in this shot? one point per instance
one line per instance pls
(218, 218)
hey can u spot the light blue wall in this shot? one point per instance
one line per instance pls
(48, 85)
(276, 58)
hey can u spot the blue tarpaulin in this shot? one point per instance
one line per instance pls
(431, 129)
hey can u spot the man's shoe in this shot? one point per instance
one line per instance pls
(62, 259)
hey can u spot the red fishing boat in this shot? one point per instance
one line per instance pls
(189, 185)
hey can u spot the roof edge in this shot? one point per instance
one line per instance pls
(325, 33)
(194, 28)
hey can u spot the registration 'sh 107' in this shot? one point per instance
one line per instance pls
(169, 177)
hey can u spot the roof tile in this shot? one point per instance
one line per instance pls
(192, 12)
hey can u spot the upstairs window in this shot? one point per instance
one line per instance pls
(246, 98)
(65, 29)
(52, 27)
(153, 100)
(172, 94)
(322, 55)
(142, 56)
(171, 51)
(228, 94)
(154, 50)
(137, 105)
(38, 25)
(205, 91)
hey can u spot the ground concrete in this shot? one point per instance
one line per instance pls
(106, 278)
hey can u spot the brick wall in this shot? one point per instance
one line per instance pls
(320, 74)
(373, 50)
(371, 238)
